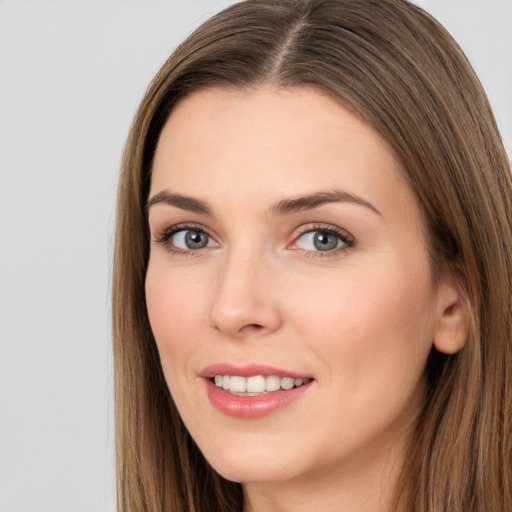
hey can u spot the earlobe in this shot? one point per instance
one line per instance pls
(452, 318)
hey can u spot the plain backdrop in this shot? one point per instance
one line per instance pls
(71, 75)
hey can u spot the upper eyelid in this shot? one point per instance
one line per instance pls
(182, 226)
(162, 236)
(332, 228)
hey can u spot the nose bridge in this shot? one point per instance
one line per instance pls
(244, 298)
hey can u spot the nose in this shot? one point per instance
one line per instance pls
(245, 302)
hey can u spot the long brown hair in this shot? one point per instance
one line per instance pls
(397, 68)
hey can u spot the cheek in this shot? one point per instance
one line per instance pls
(175, 310)
(373, 322)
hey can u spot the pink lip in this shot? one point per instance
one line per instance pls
(247, 371)
(250, 407)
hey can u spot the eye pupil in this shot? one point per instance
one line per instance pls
(196, 239)
(325, 241)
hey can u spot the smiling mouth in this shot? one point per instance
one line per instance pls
(257, 385)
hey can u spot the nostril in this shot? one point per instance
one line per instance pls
(252, 327)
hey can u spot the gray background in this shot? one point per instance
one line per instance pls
(71, 75)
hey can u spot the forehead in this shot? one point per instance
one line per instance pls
(269, 142)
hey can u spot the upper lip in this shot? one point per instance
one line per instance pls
(248, 370)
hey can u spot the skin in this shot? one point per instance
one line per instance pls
(360, 319)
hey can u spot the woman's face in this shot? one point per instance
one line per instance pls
(286, 246)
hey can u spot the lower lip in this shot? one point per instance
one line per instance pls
(252, 407)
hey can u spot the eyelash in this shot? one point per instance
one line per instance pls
(346, 238)
(163, 238)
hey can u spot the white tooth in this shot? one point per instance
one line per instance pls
(256, 384)
(237, 384)
(218, 380)
(272, 383)
(225, 381)
(287, 382)
(298, 382)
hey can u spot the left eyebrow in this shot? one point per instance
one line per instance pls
(297, 204)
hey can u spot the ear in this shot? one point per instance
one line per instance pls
(452, 323)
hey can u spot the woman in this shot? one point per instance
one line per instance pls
(312, 290)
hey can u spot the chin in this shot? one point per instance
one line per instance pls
(253, 473)
(255, 464)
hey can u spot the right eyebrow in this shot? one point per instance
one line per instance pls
(177, 200)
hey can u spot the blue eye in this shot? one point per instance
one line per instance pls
(191, 239)
(323, 240)
(182, 239)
